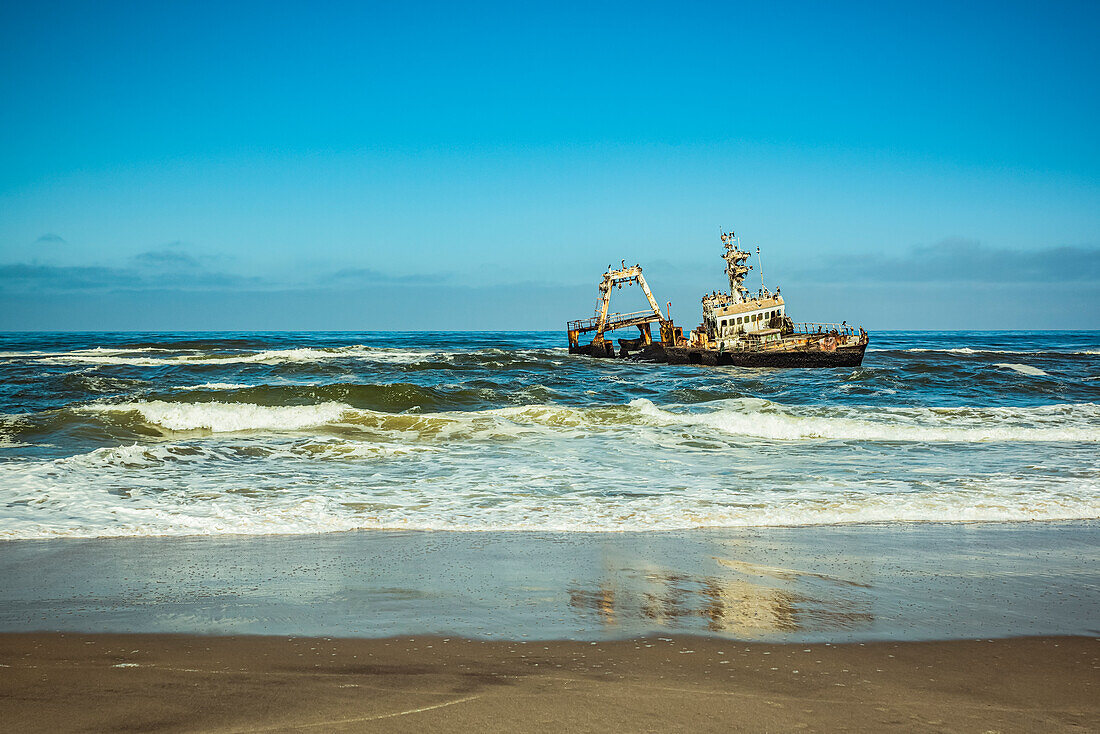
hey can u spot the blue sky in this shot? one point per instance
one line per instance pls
(478, 165)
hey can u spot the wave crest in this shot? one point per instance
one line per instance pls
(759, 418)
(1023, 369)
(228, 417)
(748, 417)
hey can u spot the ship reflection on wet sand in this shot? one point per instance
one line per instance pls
(745, 599)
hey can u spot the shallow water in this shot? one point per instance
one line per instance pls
(831, 584)
(259, 433)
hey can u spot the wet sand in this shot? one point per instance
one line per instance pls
(814, 584)
(79, 682)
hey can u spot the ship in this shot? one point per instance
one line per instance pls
(739, 328)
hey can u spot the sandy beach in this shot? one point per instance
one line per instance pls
(75, 682)
(816, 629)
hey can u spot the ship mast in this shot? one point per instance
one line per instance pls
(735, 266)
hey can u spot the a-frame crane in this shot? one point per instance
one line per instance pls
(604, 322)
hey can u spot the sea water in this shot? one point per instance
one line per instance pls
(151, 434)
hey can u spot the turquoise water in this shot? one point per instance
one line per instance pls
(281, 433)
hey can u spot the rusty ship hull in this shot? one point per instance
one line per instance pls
(843, 356)
(739, 328)
(850, 356)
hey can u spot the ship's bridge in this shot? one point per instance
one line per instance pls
(747, 316)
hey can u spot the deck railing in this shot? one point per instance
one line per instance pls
(810, 327)
(614, 321)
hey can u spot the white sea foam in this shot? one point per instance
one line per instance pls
(1023, 369)
(59, 500)
(269, 356)
(751, 417)
(9, 425)
(135, 357)
(970, 350)
(215, 386)
(92, 351)
(742, 417)
(143, 456)
(228, 417)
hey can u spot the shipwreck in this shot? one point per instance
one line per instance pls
(739, 328)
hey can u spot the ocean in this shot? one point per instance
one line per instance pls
(248, 433)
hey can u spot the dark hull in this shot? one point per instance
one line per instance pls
(591, 350)
(843, 356)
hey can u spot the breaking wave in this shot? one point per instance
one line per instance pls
(1023, 369)
(228, 417)
(271, 356)
(747, 417)
(139, 491)
(303, 355)
(970, 351)
(773, 421)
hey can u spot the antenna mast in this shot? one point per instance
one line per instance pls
(760, 261)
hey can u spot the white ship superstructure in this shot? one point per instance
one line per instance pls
(728, 318)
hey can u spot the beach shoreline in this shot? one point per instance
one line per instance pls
(810, 584)
(57, 681)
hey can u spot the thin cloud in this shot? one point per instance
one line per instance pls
(172, 268)
(963, 260)
(164, 269)
(51, 239)
(22, 276)
(166, 259)
(366, 276)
